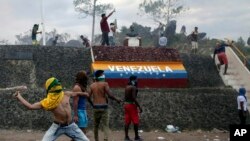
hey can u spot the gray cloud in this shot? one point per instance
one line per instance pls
(218, 18)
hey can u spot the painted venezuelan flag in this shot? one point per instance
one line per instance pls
(149, 74)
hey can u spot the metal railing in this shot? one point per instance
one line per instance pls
(242, 57)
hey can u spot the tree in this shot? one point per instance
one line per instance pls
(24, 38)
(240, 42)
(248, 41)
(4, 42)
(85, 7)
(63, 38)
(162, 11)
(143, 32)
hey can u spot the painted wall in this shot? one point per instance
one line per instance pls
(207, 103)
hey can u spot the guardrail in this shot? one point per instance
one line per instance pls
(240, 54)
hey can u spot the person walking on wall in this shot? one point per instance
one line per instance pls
(220, 51)
(105, 28)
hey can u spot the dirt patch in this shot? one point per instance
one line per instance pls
(31, 135)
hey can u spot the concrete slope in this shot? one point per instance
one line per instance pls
(238, 75)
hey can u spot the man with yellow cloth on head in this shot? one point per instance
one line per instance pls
(57, 102)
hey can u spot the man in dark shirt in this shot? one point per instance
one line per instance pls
(130, 108)
(220, 50)
(105, 28)
(33, 35)
(54, 42)
(194, 40)
(85, 41)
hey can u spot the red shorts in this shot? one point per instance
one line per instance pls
(222, 58)
(131, 114)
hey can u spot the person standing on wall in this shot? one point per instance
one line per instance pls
(105, 28)
(194, 40)
(33, 35)
(163, 41)
(54, 42)
(112, 34)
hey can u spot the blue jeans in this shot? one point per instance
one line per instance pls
(111, 40)
(72, 131)
(105, 38)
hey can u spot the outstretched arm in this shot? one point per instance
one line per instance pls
(73, 94)
(89, 98)
(110, 13)
(107, 90)
(17, 88)
(34, 106)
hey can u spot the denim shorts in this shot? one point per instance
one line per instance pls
(82, 119)
(72, 131)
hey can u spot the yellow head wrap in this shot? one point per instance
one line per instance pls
(54, 94)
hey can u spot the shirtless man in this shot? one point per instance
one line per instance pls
(57, 102)
(99, 90)
(130, 108)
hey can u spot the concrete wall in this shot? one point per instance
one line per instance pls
(33, 65)
(196, 108)
(203, 105)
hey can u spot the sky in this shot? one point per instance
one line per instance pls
(218, 18)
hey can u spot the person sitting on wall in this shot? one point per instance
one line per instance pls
(85, 41)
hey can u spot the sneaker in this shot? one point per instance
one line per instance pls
(138, 139)
(127, 139)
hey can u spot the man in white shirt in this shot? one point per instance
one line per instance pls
(242, 105)
(111, 34)
(163, 41)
